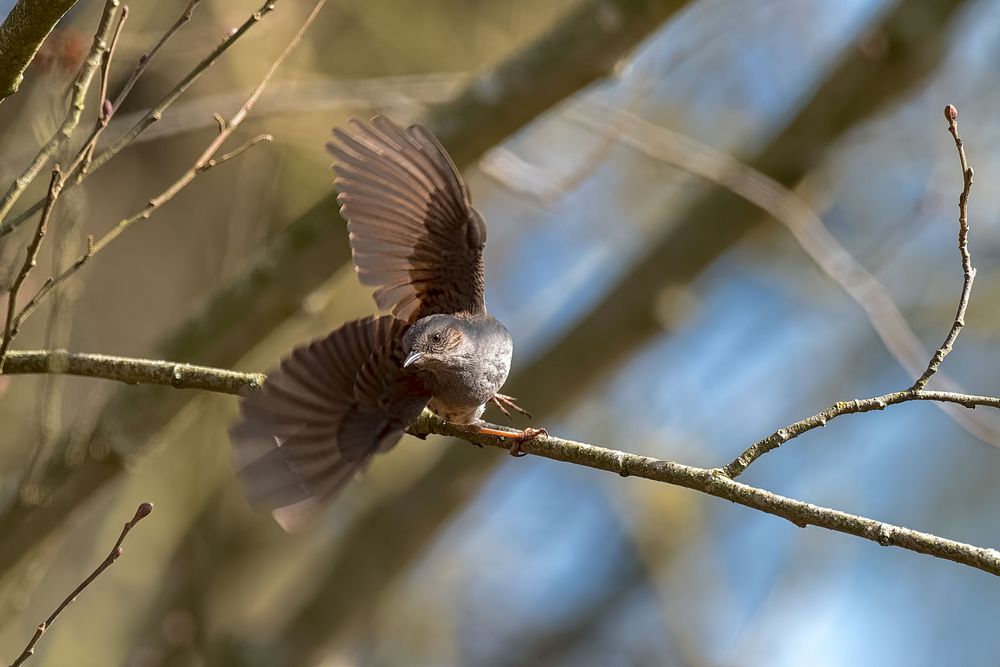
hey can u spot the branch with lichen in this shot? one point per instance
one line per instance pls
(130, 371)
(714, 482)
(22, 33)
(719, 482)
(306, 251)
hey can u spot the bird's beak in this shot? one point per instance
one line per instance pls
(412, 358)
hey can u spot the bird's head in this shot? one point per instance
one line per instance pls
(436, 342)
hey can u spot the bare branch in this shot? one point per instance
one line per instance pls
(951, 115)
(204, 162)
(916, 392)
(141, 513)
(72, 119)
(715, 482)
(147, 57)
(151, 117)
(13, 322)
(108, 108)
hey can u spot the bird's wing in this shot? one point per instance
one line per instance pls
(413, 231)
(322, 415)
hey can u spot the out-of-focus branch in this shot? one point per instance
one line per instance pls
(22, 33)
(397, 96)
(141, 513)
(13, 322)
(203, 164)
(78, 96)
(84, 168)
(109, 108)
(805, 225)
(205, 161)
(20, 530)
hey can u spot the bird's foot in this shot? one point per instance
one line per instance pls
(519, 437)
(527, 435)
(503, 402)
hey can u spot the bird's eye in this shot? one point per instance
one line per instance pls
(436, 338)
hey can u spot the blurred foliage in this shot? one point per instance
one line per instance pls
(651, 311)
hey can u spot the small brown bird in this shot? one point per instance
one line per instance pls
(336, 402)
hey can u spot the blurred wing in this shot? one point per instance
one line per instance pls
(321, 417)
(413, 231)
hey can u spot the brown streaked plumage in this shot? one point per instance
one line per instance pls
(333, 404)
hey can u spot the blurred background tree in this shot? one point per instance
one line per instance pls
(652, 310)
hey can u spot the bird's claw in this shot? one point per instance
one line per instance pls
(527, 435)
(503, 402)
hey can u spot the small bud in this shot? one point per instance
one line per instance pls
(107, 109)
(950, 113)
(117, 553)
(143, 510)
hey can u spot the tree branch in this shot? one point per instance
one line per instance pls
(84, 168)
(802, 222)
(77, 100)
(969, 273)
(300, 257)
(916, 392)
(12, 324)
(714, 482)
(130, 371)
(141, 513)
(21, 35)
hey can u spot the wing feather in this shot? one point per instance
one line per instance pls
(413, 231)
(322, 415)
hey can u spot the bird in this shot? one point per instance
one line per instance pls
(333, 404)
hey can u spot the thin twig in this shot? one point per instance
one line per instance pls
(77, 100)
(969, 273)
(93, 247)
(205, 161)
(141, 513)
(782, 435)
(916, 392)
(104, 108)
(109, 109)
(145, 58)
(108, 58)
(787, 207)
(151, 117)
(51, 284)
(12, 323)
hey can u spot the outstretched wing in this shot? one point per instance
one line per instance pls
(413, 231)
(322, 415)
